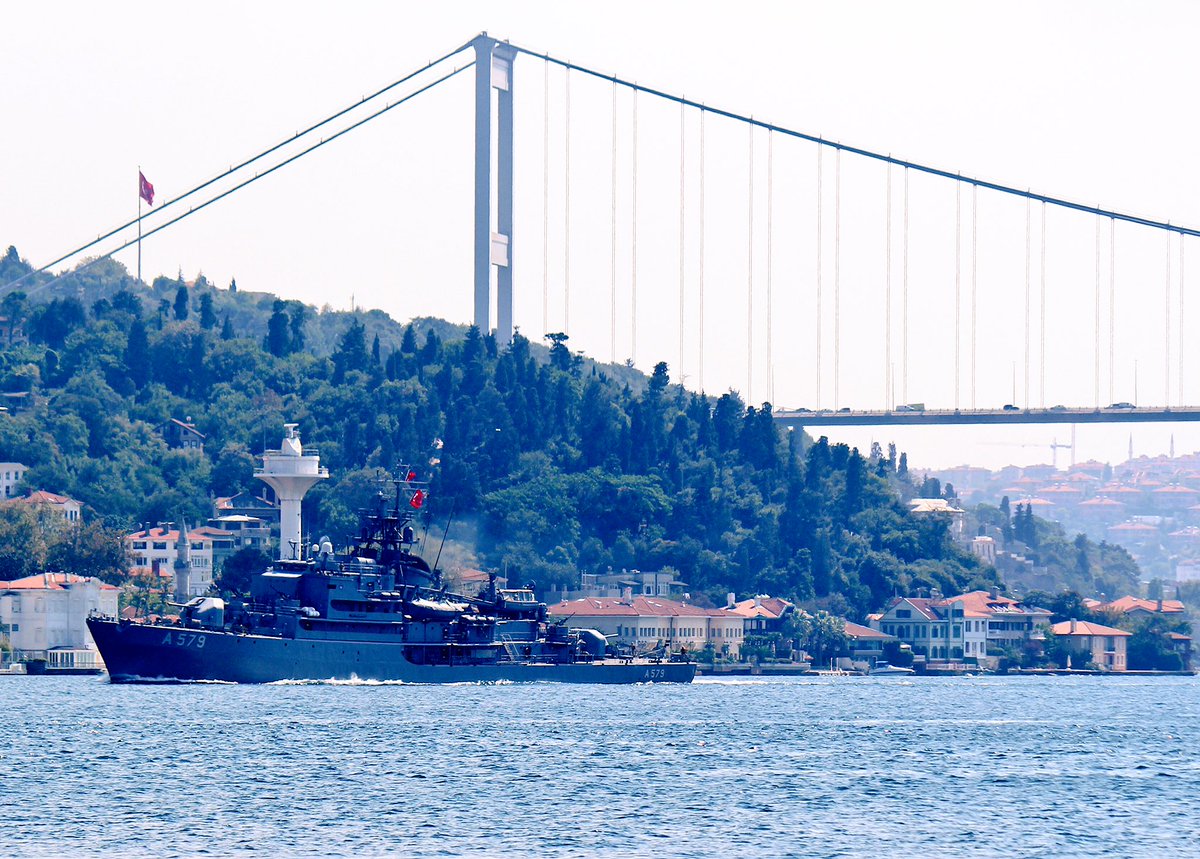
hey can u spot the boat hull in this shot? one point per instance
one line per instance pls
(153, 653)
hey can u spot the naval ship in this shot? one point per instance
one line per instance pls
(376, 611)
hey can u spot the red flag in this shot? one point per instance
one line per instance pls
(417, 500)
(412, 475)
(145, 189)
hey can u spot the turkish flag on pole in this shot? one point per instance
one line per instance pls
(417, 500)
(145, 189)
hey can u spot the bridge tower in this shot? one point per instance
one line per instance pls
(493, 71)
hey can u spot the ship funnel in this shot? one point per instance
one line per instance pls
(291, 472)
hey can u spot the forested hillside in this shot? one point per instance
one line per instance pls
(553, 463)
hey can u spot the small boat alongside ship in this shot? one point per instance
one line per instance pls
(376, 611)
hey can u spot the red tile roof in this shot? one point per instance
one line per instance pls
(1084, 627)
(160, 534)
(639, 606)
(1132, 603)
(771, 608)
(864, 633)
(41, 496)
(52, 582)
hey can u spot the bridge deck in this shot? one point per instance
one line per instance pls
(1055, 415)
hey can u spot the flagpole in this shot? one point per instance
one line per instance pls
(139, 223)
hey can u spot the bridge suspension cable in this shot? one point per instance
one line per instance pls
(904, 388)
(957, 288)
(1028, 290)
(612, 231)
(567, 205)
(1167, 329)
(1181, 328)
(820, 223)
(546, 200)
(682, 232)
(770, 263)
(1099, 225)
(888, 394)
(974, 281)
(633, 265)
(1112, 306)
(866, 153)
(262, 175)
(166, 204)
(1042, 324)
(750, 274)
(700, 309)
(837, 275)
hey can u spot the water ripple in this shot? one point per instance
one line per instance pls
(837, 767)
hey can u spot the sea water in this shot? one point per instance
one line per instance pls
(831, 766)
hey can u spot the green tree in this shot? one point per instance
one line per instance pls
(208, 318)
(182, 303)
(239, 569)
(278, 342)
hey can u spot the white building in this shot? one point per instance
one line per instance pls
(940, 507)
(978, 625)
(44, 616)
(649, 623)
(155, 551)
(68, 508)
(10, 475)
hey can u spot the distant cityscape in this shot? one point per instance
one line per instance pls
(1149, 505)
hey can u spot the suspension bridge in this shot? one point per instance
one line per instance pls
(778, 262)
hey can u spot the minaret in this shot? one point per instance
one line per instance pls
(183, 565)
(291, 473)
(1131, 447)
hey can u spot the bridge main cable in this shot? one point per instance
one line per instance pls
(866, 153)
(265, 173)
(234, 169)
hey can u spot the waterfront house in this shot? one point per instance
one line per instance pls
(10, 475)
(68, 508)
(864, 643)
(43, 617)
(1103, 646)
(977, 626)
(158, 551)
(644, 624)
(761, 614)
(1138, 607)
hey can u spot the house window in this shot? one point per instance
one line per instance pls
(903, 612)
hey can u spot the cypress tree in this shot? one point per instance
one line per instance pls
(181, 303)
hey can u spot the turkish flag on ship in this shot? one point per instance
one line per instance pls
(145, 189)
(417, 500)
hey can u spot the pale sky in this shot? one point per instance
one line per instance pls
(1085, 101)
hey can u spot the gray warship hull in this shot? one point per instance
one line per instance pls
(147, 653)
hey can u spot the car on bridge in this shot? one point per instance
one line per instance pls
(1122, 406)
(1009, 407)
